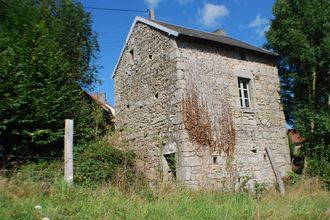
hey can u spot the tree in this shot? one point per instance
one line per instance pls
(47, 49)
(300, 34)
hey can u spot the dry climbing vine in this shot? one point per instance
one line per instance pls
(202, 131)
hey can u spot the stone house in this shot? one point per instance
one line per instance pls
(199, 107)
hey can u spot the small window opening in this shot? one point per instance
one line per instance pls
(150, 56)
(170, 159)
(242, 56)
(244, 92)
(156, 95)
(215, 159)
(131, 52)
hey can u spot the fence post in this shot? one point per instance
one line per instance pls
(276, 171)
(68, 151)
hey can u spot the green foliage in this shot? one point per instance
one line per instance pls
(94, 164)
(41, 171)
(319, 167)
(98, 162)
(294, 178)
(300, 33)
(46, 58)
(259, 189)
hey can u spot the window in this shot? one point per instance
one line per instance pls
(244, 92)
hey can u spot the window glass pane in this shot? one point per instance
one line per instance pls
(246, 94)
(241, 102)
(244, 84)
(240, 93)
(247, 104)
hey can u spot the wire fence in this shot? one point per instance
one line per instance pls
(30, 157)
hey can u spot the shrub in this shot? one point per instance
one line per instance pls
(319, 167)
(40, 171)
(98, 162)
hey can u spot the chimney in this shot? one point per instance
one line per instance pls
(152, 14)
(220, 32)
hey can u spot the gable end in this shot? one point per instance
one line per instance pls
(147, 22)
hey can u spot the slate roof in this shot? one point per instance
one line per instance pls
(212, 37)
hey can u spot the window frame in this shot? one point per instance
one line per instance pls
(244, 88)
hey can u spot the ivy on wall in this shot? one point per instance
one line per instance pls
(203, 131)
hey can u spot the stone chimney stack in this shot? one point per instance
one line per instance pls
(152, 14)
(220, 32)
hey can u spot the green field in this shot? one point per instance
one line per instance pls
(18, 200)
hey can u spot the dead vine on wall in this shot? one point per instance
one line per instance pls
(200, 128)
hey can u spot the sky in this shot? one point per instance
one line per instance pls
(245, 20)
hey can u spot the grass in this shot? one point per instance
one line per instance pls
(305, 200)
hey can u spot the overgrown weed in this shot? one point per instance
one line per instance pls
(307, 199)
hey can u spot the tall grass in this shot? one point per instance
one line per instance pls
(305, 200)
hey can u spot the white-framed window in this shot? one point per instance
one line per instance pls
(244, 92)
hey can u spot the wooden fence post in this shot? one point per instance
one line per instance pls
(276, 171)
(68, 151)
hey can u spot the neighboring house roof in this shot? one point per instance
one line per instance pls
(295, 136)
(178, 31)
(97, 98)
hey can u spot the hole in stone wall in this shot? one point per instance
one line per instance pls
(170, 159)
(264, 156)
(150, 56)
(254, 150)
(215, 159)
(127, 106)
(131, 52)
(156, 95)
(141, 106)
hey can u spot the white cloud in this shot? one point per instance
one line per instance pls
(261, 31)
(261, 25)
(183, 2)
(210, 14)
(258, 22)
(152, 3)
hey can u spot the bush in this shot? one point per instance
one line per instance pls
(319, 167)
(98, 162)
(94, 164)
(40, 171)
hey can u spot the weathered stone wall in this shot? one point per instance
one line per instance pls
(213, 71)
(149, 90)
(144, 88)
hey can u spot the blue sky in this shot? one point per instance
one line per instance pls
(245, 20)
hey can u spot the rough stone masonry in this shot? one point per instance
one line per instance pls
(158, 68)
